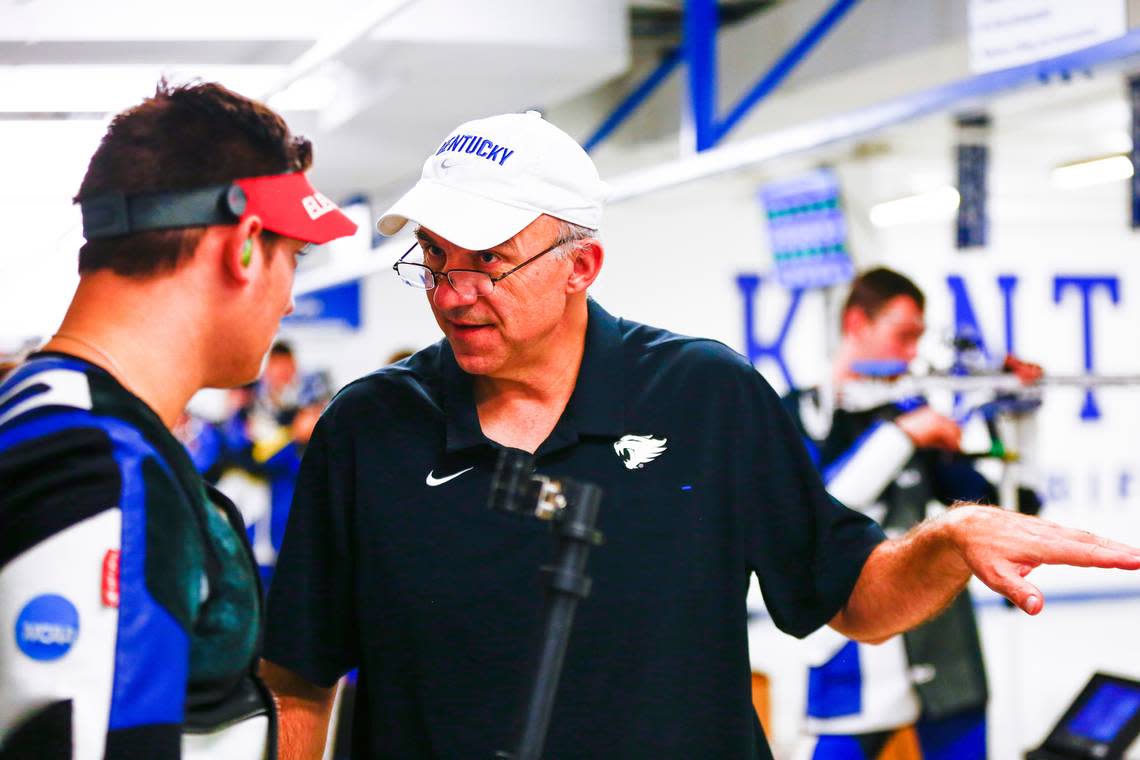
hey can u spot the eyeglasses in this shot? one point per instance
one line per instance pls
(466, 282)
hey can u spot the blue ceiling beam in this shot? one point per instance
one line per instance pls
(969, 93)
(634, 100)
(787, 63)
(700, 24)
(700, 52)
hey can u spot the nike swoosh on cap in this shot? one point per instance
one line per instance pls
(432, 480)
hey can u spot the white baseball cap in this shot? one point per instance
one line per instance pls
(492, 177)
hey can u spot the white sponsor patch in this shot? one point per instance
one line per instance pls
(317, 205)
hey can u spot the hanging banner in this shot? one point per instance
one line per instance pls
(1006, 33)
(807, 230)
(1134, 154)
(972, 155)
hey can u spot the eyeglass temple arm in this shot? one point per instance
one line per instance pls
(535, 257)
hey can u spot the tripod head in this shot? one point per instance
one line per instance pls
(517, 489)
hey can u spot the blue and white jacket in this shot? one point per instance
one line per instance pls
(871, 465)
(130, 616)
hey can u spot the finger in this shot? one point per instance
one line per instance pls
(1033, 601)
(1108, 543)
(1092, 539)
(1046, 531)
(1088, 554)
(1011, 584)
(1060, 545)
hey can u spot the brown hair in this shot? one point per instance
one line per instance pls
(183, 137)
(871, 291)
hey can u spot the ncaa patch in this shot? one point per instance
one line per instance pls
(47, 627)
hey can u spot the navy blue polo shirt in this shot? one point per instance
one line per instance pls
(393, 563)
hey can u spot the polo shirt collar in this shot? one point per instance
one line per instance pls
(596, 407)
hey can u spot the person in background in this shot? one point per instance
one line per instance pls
(264, 437)
(277, 459)
(924, 689)
(279, 390)
(204, 442)
(128, 594)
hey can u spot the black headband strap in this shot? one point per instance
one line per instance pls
(114, 214)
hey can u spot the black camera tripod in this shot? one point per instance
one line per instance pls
(572, 509)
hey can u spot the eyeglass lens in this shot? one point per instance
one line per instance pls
(466, 283)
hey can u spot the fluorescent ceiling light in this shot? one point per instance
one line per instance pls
(1093, 172)
(111, 88)
(936, 205)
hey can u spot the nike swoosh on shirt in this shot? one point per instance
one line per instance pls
(432, 480)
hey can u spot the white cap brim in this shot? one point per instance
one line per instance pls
(466, 219)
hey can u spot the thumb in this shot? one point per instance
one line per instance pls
(1026, 596)
(1012, 585)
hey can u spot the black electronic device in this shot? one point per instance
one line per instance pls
(572, 509)
(1102, 723)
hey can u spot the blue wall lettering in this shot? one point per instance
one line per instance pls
(1057, 488)
(754, 348)
(966, 320)
(1086, 285)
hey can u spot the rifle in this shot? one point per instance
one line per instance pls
(887, 388)
(876, 391)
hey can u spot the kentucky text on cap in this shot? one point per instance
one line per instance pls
(492, 177)
(480, 146)
(286, 204)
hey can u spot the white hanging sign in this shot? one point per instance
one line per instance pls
(1006, 33)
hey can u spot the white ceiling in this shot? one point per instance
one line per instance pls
(376, 85)
(392, 76)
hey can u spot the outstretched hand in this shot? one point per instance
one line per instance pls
(1002, 548)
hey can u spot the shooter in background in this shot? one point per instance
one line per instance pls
(892, 465)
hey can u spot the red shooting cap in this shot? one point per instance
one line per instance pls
(288, 205)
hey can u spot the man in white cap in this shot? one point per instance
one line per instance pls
(393, 564)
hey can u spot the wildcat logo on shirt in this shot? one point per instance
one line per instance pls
(636, 451)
